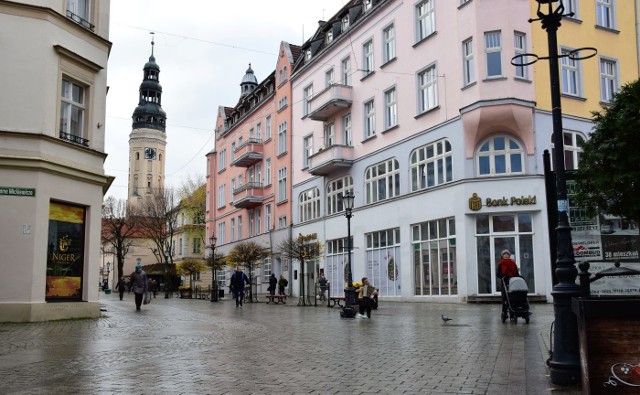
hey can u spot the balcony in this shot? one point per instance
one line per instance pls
(248, 195)
(80, 20)
(327, 103)
(250, 152)
(330, 159)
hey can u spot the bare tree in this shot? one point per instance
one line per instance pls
(119, 229)
(193, 198)
(190, 267)
(250, 254)
(303, 248)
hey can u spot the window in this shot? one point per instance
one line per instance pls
(388, 44)
(282, 184)
(266, 269)
(345, 70)
(571, 142)
(329, 77)
(233, 151)
(282, 138)
(267, 128)
(72, 111)
(383, 261)
(307, 54)
(468, 68)
(345, 23)
(259, 131)
(571, 78)
(222, 196)
(222, 160)
(258, 219)
(367, 57)
(369, 119)
(329, 135)
(571, 6)
(307, 94)
(221, 233)
(309, 204)
(605, 13)
(500, 155)
(335, 189)
(382, 181)
(79, 12)
(608, 79)
(367, 5)
(520, 45)
(329, 36)
(427, 89)
(493, 50)
(431, 165)
(196, 245)
(239, 227)
(267, 218)
(390, 108)
(232, 229)
(282, 222)
(251, 223)
(267, 171)
(282, 103)
(347, 135)
(307, 150)
(425, 20)
(233, 188)
(434, 257)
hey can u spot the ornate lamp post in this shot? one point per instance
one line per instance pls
(108, 272)
(564, 363)
(349, 294)
(214, 271)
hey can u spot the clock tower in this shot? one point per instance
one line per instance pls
(147, 141)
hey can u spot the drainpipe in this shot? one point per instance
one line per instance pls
(638, 33)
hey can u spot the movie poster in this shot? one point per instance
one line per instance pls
(65, 252)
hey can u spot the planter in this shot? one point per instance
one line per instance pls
(186, 294)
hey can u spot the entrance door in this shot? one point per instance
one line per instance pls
(500, 244)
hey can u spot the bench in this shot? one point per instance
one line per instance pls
(276, 299)
(337, 300)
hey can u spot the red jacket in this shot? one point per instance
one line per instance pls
(507, 268)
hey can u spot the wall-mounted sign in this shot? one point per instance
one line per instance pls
(476, 202)
(14, 191)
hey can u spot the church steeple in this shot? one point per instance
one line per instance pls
(149, 113)
(249, 82)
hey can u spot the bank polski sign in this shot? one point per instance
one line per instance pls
(476, 202)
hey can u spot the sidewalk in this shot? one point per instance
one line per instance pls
(191, 346)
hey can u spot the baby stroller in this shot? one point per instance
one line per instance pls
(514, 299)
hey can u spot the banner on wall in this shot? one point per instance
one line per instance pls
(65, 252)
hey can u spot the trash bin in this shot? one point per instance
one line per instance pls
(609, 329)
(107, 291)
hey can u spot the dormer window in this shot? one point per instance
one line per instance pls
(307, 54)
(329, 37)
(345, 23)
(367, 5)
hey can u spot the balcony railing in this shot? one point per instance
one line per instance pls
(74, 139)
(329, 102)
(250, 152)
(248, 195)
(80, 20)
(330, 159)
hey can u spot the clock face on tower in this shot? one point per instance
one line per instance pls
(149, 153)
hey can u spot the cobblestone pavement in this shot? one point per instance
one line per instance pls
(181, 346)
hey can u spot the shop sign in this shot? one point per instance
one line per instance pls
(476, 202)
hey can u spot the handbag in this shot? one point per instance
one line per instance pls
(146, 299)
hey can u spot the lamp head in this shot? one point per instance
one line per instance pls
(212, 240)
(347, 200)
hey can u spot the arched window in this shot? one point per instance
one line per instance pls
(499, 155)
(382, 181)
(309, 203)
(431, 165)
(572, 141)
(335, 189)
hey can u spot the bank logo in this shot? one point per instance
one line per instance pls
(475, 202)
(64, 243)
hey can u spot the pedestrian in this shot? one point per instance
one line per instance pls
(155, 288)
(139, 284)
(282, 284)
(149, 295)
(365, 296)
(322, 281)
(273, 282)
(238, 280)
(120, 286)
(506, 269)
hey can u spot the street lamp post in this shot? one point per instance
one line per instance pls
(108, 272)
(167, 274)
(349, 294)
(564, 363)
(214, 272)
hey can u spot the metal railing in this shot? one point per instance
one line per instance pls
(74, 139)
(80, 20)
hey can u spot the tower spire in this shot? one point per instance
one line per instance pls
(152, 41)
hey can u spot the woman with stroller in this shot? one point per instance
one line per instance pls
(506, 269)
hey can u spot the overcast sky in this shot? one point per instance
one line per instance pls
(203, 49)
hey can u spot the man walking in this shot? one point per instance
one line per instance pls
(139, 284)
(238, 279)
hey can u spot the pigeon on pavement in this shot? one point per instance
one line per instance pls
(445, 318)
